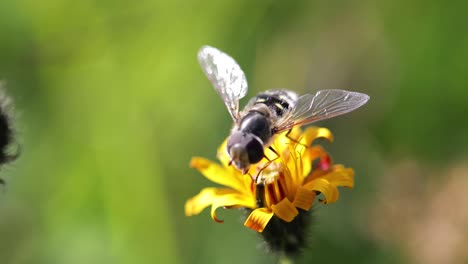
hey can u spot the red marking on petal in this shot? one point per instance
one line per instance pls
(325, 163)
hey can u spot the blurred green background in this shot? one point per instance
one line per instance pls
(112, 104)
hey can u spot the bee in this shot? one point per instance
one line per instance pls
(270, 112)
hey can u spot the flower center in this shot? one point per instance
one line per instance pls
(270, 185)
(268, 174)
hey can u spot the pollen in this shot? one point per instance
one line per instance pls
(268, 173)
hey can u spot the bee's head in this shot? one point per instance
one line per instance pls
(244, 149)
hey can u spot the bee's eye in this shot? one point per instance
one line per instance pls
(255, 150)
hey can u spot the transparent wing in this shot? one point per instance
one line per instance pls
(226, 76)
(322, 105)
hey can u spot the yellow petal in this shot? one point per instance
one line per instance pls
(308, 156)
(231, 200)
(216, 197)
(340, 176)
(219, 174)
(282, 142)
(315, 152)
(300, 160)
(287, 179)
(285, 210)
(196, 204)
(222, 154)
(325, 187)
(259, 219)
(304, 198)
(312, 133)
(288, 187)
(296, 166)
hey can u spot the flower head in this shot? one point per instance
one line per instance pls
(7, 130)
(280, 189)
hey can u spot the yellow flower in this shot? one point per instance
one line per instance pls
(283, 187)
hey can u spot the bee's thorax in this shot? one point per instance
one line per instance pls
(258, 124)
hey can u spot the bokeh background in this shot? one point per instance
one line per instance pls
(112, 104)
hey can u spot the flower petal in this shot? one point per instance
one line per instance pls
(222, 154)
(216, 197)
(258, 219)
(287, 180)
(315, 152)
(340, 176)
(299, 160)
(322, 185)
(309, 155)
(196, 204)
(296, 164)
(218, 174)
(304, 198)
(285, 210)
(282, 142)
(312, 133)
(231, 200)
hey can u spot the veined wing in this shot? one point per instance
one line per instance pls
(322, 105)
(226, 76)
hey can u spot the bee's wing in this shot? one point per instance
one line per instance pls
(226, 76)
(322, 105)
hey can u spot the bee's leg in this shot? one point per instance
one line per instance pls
(293, 139)
(251, 176)
(269, 161)
(274, 151)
